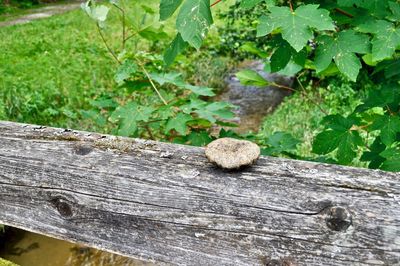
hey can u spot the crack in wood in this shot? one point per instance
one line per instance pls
(144, 204)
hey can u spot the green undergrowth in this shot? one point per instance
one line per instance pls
(9, 13)
(4, 262)
(51, 70)
(301, 113)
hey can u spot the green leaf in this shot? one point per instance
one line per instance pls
(215, 110)
(345, 141)
(247, 4)
(386, 38)
(252, 78)
(176, 79)
(168, 8)
(125, 71)
(164, 112)
(378, 8)
(171, 77)
(395, 8)
(148, 9)
(194, 104)
(266, 25)
(193, 21)
(367, 58)
(96, 12)
(338, 122)
(229, 134)
(286, 61)
(295, 26)
(177, 46)
(389, 67)
(153, 34)
(201, 138)
(280, 142)
(103, 103)
(392, 157)
(392, 69)
(326, 142)
(128, 117)
(389, 125)
(94, 116)
(348, 143)
(374, 7)
(178, 123)
(383, 97)
(200, 90)
(349, 2)
(100, 13)
(373, 155)
(342, 50)
(281, 57)
(252, 48)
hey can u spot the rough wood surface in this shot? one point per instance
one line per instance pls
(165, 203)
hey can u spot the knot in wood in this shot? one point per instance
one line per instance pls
(62, 206)
(338, 219)
(83, 149)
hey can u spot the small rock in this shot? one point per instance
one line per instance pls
(231, 153)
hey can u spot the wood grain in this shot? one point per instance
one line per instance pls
(165, 203)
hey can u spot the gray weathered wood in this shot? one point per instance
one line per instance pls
(165, 203)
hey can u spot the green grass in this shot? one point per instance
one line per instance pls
(6, 263)
(301, 116)
(51, 68)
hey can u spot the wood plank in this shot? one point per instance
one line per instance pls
(165, 203)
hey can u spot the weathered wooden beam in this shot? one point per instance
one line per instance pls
(165, 203)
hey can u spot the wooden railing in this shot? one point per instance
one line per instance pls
(165, 203)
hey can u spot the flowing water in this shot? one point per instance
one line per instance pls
(254, 102)
(30, 249)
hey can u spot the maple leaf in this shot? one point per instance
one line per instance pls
(193, 21)
(386, 38)
(296, 26)
(178, 123)
(168, 8)
(338, 49)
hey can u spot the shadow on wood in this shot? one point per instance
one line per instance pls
(165, 203)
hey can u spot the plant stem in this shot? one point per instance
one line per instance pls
(123, 26)
(152, 83)
(291, 5)
(105, 43)
(216, 2)
(130, 36)
(305, 94)
(341, 11)
(282, 86)
(152, 121)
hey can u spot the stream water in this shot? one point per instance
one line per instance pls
(30, 249)
(254, 102)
